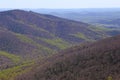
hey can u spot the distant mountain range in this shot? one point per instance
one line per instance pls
(113, 22)
(87, 15)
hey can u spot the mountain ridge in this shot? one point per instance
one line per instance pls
(44, 32)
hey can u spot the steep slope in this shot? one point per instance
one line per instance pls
(91, 61)
(23, 32)
(22, 46)
(42, 25)
(10, 43)
(8, 60)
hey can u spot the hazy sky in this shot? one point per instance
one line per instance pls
(59, 3)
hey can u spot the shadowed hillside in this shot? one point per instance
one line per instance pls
(91, 61)
(10, 43)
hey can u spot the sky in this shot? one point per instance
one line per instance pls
(55, 4)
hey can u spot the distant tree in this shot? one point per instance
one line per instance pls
(110, 78)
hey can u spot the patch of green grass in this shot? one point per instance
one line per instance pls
(14, 58)
(59, 43)
(104, 28)
(44, 49)
(81, 35)
(40, 47)
(24, 38)
(11, 73)
(99, 28)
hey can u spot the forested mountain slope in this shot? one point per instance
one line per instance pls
(26, 32)
(92, 61)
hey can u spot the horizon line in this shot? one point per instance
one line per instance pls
(66, 8)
